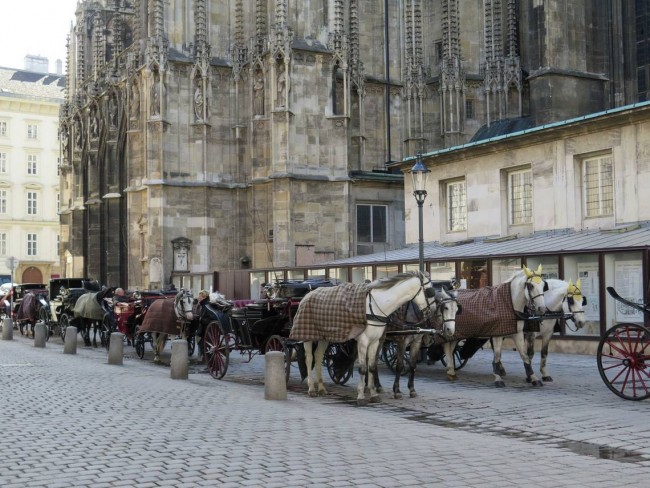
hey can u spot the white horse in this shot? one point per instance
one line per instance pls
(527, 291)
(382, 298)
(446, 308)
(560, 297)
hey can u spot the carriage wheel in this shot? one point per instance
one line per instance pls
(278, 343)
(459, 361)
(64, 322)
(138, 342)
(389, 355)
(624, 361)
(343, 352)
(216, 350)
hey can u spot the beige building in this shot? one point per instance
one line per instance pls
(29, 179)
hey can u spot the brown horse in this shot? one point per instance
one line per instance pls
(29, 311)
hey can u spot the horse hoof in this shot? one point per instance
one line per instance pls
(528, 380)
(322, 393)
(538, 383)
(547, 379)
(500, 384)
(375, 399)
(312, 394)
(413, 394)
(452, 377)
(380, 390)
(362, 402)
(397, 396)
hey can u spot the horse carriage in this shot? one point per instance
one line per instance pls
(152, 315)
(623, 355)
(255, 327)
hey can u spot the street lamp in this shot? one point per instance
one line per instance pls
(419, 173)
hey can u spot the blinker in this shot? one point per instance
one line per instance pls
(429, 292)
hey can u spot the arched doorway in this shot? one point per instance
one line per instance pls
(32, 275)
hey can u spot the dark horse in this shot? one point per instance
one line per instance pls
(91, 310)
(28, 312)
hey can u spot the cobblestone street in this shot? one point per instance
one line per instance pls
(78, 421)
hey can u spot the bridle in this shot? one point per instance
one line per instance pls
(426, 311)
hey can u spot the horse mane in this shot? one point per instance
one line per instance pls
(390, 281)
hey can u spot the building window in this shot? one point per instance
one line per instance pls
(456, 206)
(3, 162)
(3, 201)
(3, 244)
(58, 244)
(32, 166)
(31, 244)
(598, 186)
(520, 197)
(32, 131)
(3, 128)
(371, 223)
(32, 203)
(437, 46)
(469, 109)
(58, 202)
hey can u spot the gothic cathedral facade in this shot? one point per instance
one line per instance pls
(207, 135)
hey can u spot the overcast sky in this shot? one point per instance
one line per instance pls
(38, 27)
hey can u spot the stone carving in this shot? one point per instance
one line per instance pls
(155, 95)
(112, 112)
(135, 101)
(282, 86)
(199, 100)
(258, 95)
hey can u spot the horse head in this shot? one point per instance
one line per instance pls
(183, 305)
(534, 287)
(447, 307)
(575, 303)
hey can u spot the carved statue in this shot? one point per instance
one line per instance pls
(135, 101)
(282, 86)
(155, 95)
(258, 95)
(112, 111)
(198, 100)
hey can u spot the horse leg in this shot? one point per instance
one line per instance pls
(309, 360)
(400, 342)
(318, 366)
(546, 339)
(497, 367)
(95, 327)
(362, 355)
(85, 331)
(449, 348)
(521, 349)
(372, 369)
(413, 362)
(158, 343)
(380, 347)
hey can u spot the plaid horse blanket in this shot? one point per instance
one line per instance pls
(161, 317)
(88, 307)
(487, 312)
(28, 310)
(335, 314)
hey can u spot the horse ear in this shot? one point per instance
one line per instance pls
(578, 284)
(528, 272)
(570, 284)
(539, 269)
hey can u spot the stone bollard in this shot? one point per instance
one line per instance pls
(116, 348)
(7, 329)
(40, 334)
(70, 343)
(275, 380)
(180, 360)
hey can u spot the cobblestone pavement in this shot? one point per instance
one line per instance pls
(75, 420)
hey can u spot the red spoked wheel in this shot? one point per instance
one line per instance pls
(217, 350)
(624, 361)
(278, 343)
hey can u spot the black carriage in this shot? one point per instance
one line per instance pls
(52, 313)
(624, 355)
(256, 327)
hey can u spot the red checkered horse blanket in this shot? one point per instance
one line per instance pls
(161, 317)
(335, 314)
(487, 312)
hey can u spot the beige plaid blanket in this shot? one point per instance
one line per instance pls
(335, 314)
(487, 312)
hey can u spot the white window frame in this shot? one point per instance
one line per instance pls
(598, 186)
(32, 244)
(3, 243)
(520, 197)
(3, 162)
(32, 203)
(3, 202)
(32, 165)
(372, 207)
(456, 193)
(32, 131)
(3, 128)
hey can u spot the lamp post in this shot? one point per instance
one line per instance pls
(419, 173)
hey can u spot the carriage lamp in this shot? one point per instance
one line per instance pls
(419, 174)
